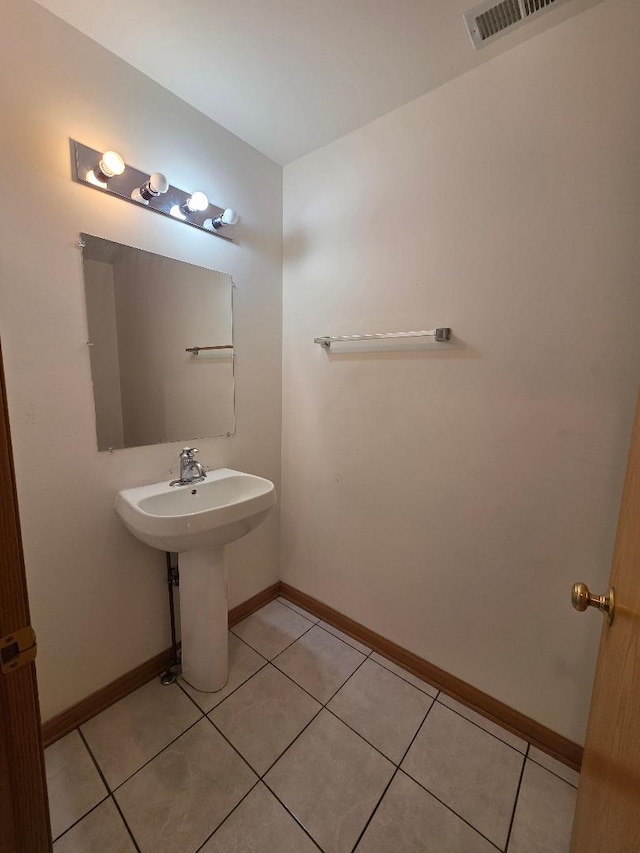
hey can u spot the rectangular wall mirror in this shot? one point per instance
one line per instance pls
(144, 312)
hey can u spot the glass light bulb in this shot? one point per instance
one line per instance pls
(111, 164)
(229, 217)
(197, 201)
(158, 183)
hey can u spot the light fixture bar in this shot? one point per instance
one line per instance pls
(84, 160)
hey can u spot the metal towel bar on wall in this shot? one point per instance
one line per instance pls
(439, 334)
(196, 350)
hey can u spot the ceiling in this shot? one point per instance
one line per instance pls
(288, 76)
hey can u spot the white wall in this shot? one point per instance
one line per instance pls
(448, 499)
(98, 597)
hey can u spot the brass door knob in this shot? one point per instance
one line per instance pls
(581, 599)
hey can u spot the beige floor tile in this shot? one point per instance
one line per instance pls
(271, 629)
(264, 716)
(471, 771)
(243, 663)
(494, 729)
(73, 782)
(178, 799)
(544, 814)
(260, 825)
(409, 820)
(383, 708)
(319, 662)
(297, 609)
(429, 689)
(557, 767)
(136, 728)
(331, 780)
(345, 638)
(101, 831)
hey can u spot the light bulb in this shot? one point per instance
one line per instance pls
(155, 186)
(197, 201)
(111, 164)
(229, 217)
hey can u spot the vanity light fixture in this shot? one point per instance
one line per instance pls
(109, 165)
(229, 217)
(107, 171)
(155, 186)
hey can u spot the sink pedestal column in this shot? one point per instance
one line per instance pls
(204, 619)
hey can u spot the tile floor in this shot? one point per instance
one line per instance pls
(314, 744)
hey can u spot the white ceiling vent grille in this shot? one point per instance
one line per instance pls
(490, 19)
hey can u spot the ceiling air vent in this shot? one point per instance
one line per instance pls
(490, 19)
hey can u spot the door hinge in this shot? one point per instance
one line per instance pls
(17, 649)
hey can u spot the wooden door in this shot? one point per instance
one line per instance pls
(608, 810)
(24, 812)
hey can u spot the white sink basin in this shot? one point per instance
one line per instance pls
(197, 520)
(226, 506)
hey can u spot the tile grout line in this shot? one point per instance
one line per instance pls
(222, 734)
(320, 624)
(203, 714)
(515, 802)
(346, 642)
(226, 817)
(553, 773)
(234, 748)
(288, 747)
(380, 663)
(477, 725)
(526, 742)
(396, 770)
(142, 766)
(244, 642)
(393, 776)
(323, 706)
(291, 814)
(288, 604)
(449, 808)
(295, 640)
(115, 802)
(431, 794)
(383, 662)
(373, 746)
(86, 814)
(344, 684)
(261, 777)
(211, 710)
(124, 820)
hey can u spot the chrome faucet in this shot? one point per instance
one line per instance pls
(190, 470)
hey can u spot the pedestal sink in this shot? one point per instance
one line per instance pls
(197, 521)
